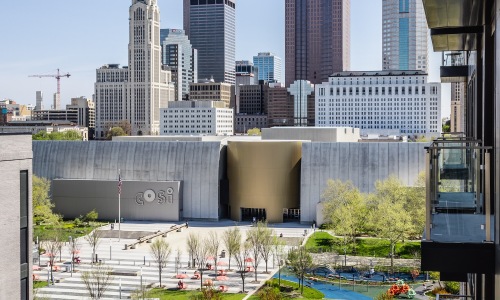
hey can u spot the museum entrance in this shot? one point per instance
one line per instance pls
(248, 214)
(291, 214)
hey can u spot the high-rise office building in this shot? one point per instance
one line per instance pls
(457, 116)
(211, 28)
(182, 58)
(404, 35)
(246, 74)
(269, 67)
(135, 93)
(317, 39)
(39, 100)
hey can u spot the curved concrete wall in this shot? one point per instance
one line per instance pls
(264, 174)
(196, 164)
(361, 163)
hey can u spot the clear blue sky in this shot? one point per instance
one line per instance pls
(79, 36)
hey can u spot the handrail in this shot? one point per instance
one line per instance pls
(154, 235)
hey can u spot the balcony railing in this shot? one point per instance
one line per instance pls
(454, 66)
(458, 200)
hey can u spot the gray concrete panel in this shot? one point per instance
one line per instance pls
(362, 163)
(196, 164)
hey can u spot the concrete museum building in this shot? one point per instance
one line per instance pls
(236, 177)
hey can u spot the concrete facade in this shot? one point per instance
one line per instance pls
(196, 164)
(313, 134)
(361, 163)
(16, 217)
(140, 200)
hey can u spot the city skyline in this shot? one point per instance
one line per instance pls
(78, 46)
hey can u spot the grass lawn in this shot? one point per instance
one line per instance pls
(322, 241)
(289, 288)
(39, 284)
(65, 229)
(184, 295)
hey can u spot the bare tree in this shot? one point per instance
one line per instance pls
(160, 250)
(213, 245)
(73, 248)
(51, 248)
(255, 242)
(199, 250)
(241, 261)
(193, 242)
(279, 253)
(266, 244)
(94, 239)
(177, 260)
(232, 241)
(97, 280)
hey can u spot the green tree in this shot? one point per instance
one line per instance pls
(254, 131)
(41, 136)
(300, 260)
(232, 241)
(345, 210)
(91, 216)
(415, 205)
(390, 218)
(266, 242)
(254, 238)
(72, 135)
(115, 131)
(42, 206)
(160, 251)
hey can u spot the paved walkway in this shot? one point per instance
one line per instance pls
(111, 252)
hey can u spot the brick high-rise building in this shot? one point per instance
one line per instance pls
(317, 39)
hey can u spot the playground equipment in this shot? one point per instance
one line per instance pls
(401, 289)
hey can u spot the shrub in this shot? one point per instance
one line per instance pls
(452, 287)
(384, 296)
(439, 291)
(91, 216)
(269, 294)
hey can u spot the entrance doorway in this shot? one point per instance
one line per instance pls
(247, 214)
(291, 214)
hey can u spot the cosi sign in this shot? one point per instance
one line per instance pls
(159, 197)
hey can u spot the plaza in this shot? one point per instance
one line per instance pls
(111, 252)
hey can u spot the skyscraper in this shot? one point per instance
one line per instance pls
(317, 39)
(135, 93)
(211, 28)
(404, 35)
(269, 67)
(182, 58)
(39, 100)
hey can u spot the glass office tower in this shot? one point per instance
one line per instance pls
(269, 67)
(404, 35)
(210, 26)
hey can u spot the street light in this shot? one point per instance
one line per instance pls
(72, 254)
(120, 287)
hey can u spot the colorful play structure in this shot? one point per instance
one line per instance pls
(401, 289)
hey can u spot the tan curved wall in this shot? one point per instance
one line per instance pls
(264, 174)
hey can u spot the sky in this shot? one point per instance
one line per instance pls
(79, 36)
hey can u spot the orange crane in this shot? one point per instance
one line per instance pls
(58, 77)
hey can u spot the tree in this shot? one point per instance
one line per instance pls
(115, 131)
(255, 242)
(69, 135)
(279, 251)
(390, 218)
(415, 205)
(213, 246)
(52, 246)
(345, 209)
(266, 241)
(73, 249)
(94, 239)
(241, 261)
(193, 242)
(199, 250)
(232, 241)
(91, 216)
(160, 250)
(254, 131)
(42, 206)
(300, 261)
(97, 280)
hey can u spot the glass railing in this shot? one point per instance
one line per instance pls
(454, 58)
(458, 202)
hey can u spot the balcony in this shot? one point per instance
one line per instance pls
(454, 24)
(459, 221)
(454, 67)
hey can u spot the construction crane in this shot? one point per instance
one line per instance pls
(58, 77)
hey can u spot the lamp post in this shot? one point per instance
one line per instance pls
(120, 287)
(280, 263)
(72, 254)
(142, 291)
(110, 246)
